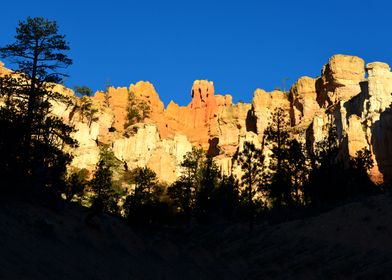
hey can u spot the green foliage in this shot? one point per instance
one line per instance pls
(279, 185)
(85, 105)
(105, 197)
(326, 179)
(332, 179)
(227, 197)
(184, 191)
(359, 182)
(362, 161)
(76, 183)
(39, 51)
(83, 90)
(205, 196)
(298, 166)
(138, 110)
(38, 154)
(326, 151)
(107, 156)
(251, 160)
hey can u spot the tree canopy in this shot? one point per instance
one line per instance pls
(39, 54)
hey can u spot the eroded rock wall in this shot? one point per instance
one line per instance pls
(359, 107)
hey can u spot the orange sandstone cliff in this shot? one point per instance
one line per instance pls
(359, 106)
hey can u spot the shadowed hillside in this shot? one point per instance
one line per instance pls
(352, 241)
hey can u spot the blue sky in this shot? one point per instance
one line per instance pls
(240, 45)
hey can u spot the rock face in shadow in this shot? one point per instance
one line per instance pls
(363, 120)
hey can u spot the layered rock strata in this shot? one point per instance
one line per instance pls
(358, 106)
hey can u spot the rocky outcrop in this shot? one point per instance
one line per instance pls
(3, 70)
(233, 122)
(340, 79)
(264, 104)
(359, 107)
(117, 100)
(360, 110)
(145, 148)
(378, 117)
(198, 121)
(303, 99)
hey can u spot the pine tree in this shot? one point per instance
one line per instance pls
(205, 197)
(143, 204)
(105, 197)
(38, 53)
(184, 191)
(251, 160)
(298, 165)
(277, 138)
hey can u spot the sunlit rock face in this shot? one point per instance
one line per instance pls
(145, 148)
(233, 122)
(378, 116)
(145, 91)
(340, 79)
(198, 120)
(360, 108)
(3, 70)
(264, 104)
(303, 99)
(117, 100)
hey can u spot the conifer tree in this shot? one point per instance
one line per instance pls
(277, 138)
(143, 204)
(184, 191)
(206, 194)
(105, 197)
(251, 160)
(38, 54)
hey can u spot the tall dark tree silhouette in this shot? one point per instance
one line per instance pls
(105, 197)
(227, 197)
(143, 205)
(206, 194)
(277, 138)
(327, 179)
(298, 166)
(76, 183)
(359, 182)
(251, 160)
(38, 54)
(184, 191)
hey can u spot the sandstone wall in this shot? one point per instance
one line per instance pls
(358, 106)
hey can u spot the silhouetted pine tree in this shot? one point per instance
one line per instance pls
(359, 182)
(206, 194)
(227, 197)
(144, 205)
(279, 186)
(183, 192)
(76, 183)
(299, 170)
(327, 179)
(105, 197)
(34, 141)
(251, 160)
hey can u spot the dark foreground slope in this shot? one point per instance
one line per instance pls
(352, 241)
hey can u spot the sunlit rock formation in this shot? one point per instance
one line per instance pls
(358, 106)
